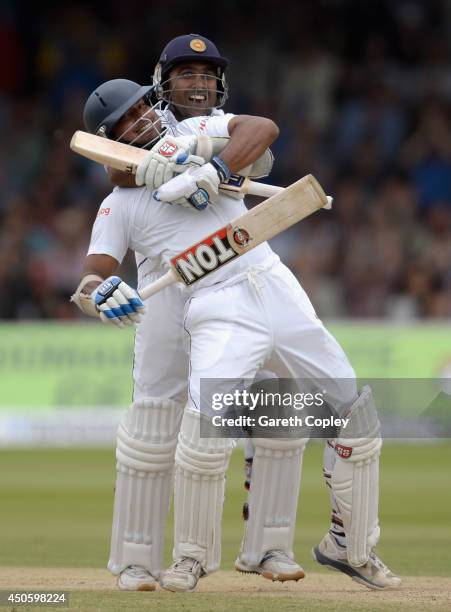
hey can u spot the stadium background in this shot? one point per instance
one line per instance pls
(361, 92)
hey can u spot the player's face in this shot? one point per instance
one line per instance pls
(192, 89)
(140, 125)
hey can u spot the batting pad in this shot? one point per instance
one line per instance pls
(201, 464)
(273, 498)
(355, 478)
(146, 442)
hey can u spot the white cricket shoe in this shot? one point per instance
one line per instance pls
(275, 565)
(182, 576)
(136, 578)
(374, 574)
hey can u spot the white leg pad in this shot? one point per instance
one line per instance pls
(355, 478)
(273, 498)
(146, 443)
(201, 464)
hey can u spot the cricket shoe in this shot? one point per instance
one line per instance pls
(136, 578)
(374, 574)
(275, 565)
(182, 576)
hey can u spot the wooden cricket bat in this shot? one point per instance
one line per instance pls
(261, 223)
(127, 158)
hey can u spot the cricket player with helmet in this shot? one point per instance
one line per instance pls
(125, 111)
(240, 305)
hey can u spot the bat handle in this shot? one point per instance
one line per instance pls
(261, 189)
(266, 191)
(165, 280)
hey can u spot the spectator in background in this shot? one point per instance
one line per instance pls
(364, 104)
(427, 154)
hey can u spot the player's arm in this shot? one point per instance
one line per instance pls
(100, 294)
(249, 139)
(98, 265)
(95, 270)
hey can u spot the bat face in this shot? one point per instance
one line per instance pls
(211, 253)
(261, 223)
(251, 229)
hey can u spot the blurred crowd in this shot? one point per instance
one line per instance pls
(361, 92)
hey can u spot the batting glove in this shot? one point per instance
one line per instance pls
(117, 302)
(160, 165)
(197, 187)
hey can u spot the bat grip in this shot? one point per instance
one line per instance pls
(165, 280)
(266, 191)
(263, 190)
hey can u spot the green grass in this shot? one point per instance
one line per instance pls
(56, 507)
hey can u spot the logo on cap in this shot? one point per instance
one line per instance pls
(198, 45)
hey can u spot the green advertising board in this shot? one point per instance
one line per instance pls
(387, 350)
(48, 365)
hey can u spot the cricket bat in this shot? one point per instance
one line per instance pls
(127, 158)
(261, 223)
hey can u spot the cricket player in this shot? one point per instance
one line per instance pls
(118, 104)
(234, 323)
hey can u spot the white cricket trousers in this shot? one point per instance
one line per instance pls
(263, 319)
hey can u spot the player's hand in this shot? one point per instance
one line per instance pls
(162, 163)
(197, 187)
(117, 302)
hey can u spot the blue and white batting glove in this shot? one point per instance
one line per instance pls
(162, 162)
(117, 302)
(197, 187)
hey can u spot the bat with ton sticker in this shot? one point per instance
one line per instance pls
(211, 253)
(259, 224)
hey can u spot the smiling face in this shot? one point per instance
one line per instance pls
(140, 125)
(192, 89)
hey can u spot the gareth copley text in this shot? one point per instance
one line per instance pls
(266, 421)
(260, 400)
